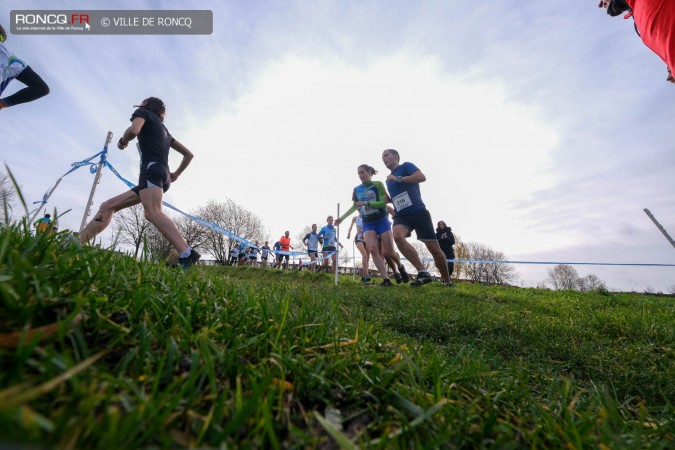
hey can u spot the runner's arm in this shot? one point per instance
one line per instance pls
(415, 177)
(35, 88)
(351, 226)
(187, 158)
(349, 212)
(131, 132)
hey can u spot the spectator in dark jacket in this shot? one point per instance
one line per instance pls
(446, 240)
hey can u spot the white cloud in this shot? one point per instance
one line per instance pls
(289, 147)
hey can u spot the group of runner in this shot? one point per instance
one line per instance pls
(245, 254)
(375, 235)
(370, 198)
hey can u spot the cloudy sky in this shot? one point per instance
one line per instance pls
(543, 129)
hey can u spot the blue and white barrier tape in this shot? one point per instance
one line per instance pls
(474, 261)
(75, 166)
(206, 223)
(231, 235)
(319, 259)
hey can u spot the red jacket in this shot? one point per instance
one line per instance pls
(655, 20)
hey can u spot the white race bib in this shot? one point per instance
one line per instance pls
(401, 201)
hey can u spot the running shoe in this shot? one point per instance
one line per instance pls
(386, 283)
(422, 278)
(397, 277)
(448, 284)
(404, 275)
(189, 260)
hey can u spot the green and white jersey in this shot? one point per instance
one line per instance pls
(10, 67)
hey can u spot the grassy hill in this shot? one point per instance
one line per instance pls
(100, 351)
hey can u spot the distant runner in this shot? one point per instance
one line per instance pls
(360, 245)
(285, 244)
(234, 254)
(311, 240)
(264, 253)
(42, 225)
(328, 239)
(243, 254)
(253, 255)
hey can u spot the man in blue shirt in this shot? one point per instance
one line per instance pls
(328, 239)
(403, 184)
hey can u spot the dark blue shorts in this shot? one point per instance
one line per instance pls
(153, 174)
(420, 222)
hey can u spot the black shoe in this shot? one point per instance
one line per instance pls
(422, 278)
(386, 283)
(404, 275)
(365, 279)
(189, 260)
(448, 284)
(397, 277)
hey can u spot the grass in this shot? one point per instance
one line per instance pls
(107, 352)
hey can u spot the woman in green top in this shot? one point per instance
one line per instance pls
(370, 198)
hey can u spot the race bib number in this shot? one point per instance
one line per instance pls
(367, 210)
(401, 201)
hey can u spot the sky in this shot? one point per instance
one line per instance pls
(543, 130)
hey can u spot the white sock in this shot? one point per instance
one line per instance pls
(186, 253)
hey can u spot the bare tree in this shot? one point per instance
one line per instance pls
(461, 252)
(485, 271)
(591, 282)
(563, 277)
(7, 195)
(130, 227)
(193, 232)
(232, 217)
